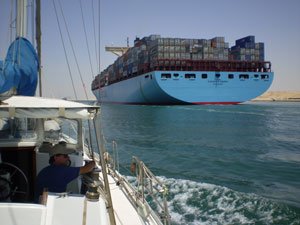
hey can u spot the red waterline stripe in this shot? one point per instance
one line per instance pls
(215, 103)
(187, 103)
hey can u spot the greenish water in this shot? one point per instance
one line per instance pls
(236, 164)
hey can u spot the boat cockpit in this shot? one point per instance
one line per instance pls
(25, 141)
(24, 151)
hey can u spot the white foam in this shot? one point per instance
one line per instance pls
(197, 203)
(202, 203)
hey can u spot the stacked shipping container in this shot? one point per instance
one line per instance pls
(194, 49)
(246, 49)
(150, 52)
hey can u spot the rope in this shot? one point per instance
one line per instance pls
(11, 26)
(73, 51)
(96, 52)
(84, 211)
(32, 20)
(10, 21)
(99, 35)
(99, 49)
(9, 34)
(87, 45)
(70, 73)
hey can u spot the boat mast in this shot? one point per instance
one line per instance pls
(38, 40)
(21, 27)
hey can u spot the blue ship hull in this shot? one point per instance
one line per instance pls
(186, 87)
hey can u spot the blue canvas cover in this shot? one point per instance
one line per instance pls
(20, 68)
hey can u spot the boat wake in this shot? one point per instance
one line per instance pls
(201, 203)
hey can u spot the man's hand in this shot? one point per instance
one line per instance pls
(88, 167)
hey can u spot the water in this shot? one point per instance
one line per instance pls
(223, 164)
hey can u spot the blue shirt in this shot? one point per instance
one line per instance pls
(55, 179)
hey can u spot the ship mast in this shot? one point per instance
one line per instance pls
(38, 40)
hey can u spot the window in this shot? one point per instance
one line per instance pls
(165, 75)
(264, 76)
(15, 129)
(204, 76)
(244, 76)
(256, 76)
(70, 128)
(176, 75)
(230, 76)
(217, 75)
(190, 75)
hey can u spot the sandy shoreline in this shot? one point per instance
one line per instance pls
(291, 96)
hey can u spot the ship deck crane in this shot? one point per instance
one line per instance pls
(119, 51)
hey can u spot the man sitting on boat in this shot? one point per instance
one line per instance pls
(58, 174)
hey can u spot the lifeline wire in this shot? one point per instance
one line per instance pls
(87, 45)
(94, 29)
(72, 47)
(64, 50)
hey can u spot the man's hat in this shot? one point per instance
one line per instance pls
(60, 148)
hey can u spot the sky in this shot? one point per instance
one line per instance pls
(274, 22)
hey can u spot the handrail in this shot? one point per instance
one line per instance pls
(147, 185)
(101, 151)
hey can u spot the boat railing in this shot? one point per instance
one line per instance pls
(116, 165)
(145, 186)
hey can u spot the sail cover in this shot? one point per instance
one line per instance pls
(19, 69)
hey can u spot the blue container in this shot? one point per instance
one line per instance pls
(242, 42)
(249, 45)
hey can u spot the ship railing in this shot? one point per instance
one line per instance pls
(145, 190)
(167, 64)
(210, 65)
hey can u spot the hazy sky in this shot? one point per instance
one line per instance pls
(274, 22)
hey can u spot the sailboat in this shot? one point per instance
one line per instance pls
(31, 126)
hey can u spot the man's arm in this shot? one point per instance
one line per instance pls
(87, 168)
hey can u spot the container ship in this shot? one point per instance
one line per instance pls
(178, 71)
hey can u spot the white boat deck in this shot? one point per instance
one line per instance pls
(76, 210)
(22, 214)
(124, 210)
(71, 209)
